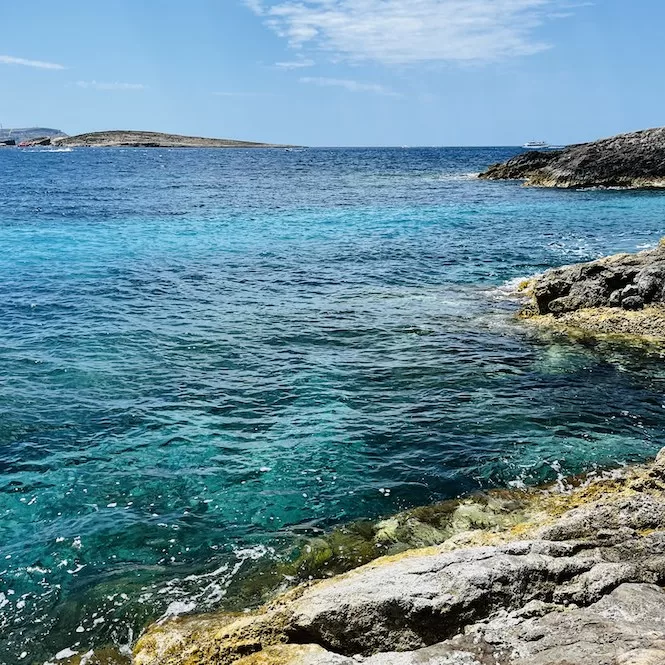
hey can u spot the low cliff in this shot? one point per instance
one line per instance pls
(579, 580)
(635, 160)
(620, 294)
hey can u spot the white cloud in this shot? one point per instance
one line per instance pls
(295, 64)
(241, 94)
(352, 86)
(412, 31)
(116, 85)
(10, 60)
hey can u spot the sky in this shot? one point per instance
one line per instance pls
(337, 72)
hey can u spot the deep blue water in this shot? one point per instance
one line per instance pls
(205, 355)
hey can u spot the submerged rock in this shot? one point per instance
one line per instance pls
(578, 581)
(635, 160)
(622, 294)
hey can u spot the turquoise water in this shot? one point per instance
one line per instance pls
(208, 355)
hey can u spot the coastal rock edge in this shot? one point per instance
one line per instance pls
(580, 583)
(621, 294)
(633, 161)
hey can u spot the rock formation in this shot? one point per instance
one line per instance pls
(578, 583)
(29, 133)
(635, 160)
(624, 293)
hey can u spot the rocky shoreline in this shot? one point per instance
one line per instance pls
(622, 294)
(557, 577)
(629, 161)
(569, 574)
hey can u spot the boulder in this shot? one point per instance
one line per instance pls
(624, 280)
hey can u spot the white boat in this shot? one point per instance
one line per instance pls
(536, 144)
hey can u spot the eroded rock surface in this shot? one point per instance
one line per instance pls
(629, 281)
(634, 160)
(624, 293)
(580, 588)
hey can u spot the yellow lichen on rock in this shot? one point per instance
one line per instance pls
(637, 327)
(216, 639)
(285, 654)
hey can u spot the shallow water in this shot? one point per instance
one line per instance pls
(206, 355)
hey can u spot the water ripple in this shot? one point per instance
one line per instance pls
(208, 354)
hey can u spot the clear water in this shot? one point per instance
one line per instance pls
(206, 355)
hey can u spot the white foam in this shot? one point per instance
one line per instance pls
(456, 177)
(65, 653)
(509, 290)
(178, 607)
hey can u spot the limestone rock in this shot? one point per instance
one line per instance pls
(584, 588)
(623, 294)
(577, 580)
(634, 160)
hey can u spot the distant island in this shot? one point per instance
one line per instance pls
(28, 133)
(138, 139)
(44, 136)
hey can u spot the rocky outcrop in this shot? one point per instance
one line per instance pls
(522, 167)
(40, 141)
(136, 139)
(635, 160)
(29, 133)
(624, 294)
(578, 583)
(628, 281)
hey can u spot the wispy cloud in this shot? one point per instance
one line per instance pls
(241, 94)
(352, 86)
(115, 85)
(296, 64)
(11, 60)
(412, 31)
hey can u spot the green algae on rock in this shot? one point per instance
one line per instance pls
(641, 328)
(352, 545)
(577, 579)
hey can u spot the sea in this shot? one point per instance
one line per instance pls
(209, 356)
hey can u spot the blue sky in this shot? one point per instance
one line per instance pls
(337, 72)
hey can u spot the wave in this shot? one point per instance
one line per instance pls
(457, 177)
(510, 289)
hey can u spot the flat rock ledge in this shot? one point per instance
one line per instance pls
(579, 582)
(631, 161)
(622, 294)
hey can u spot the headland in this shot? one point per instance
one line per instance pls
(631, 161)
